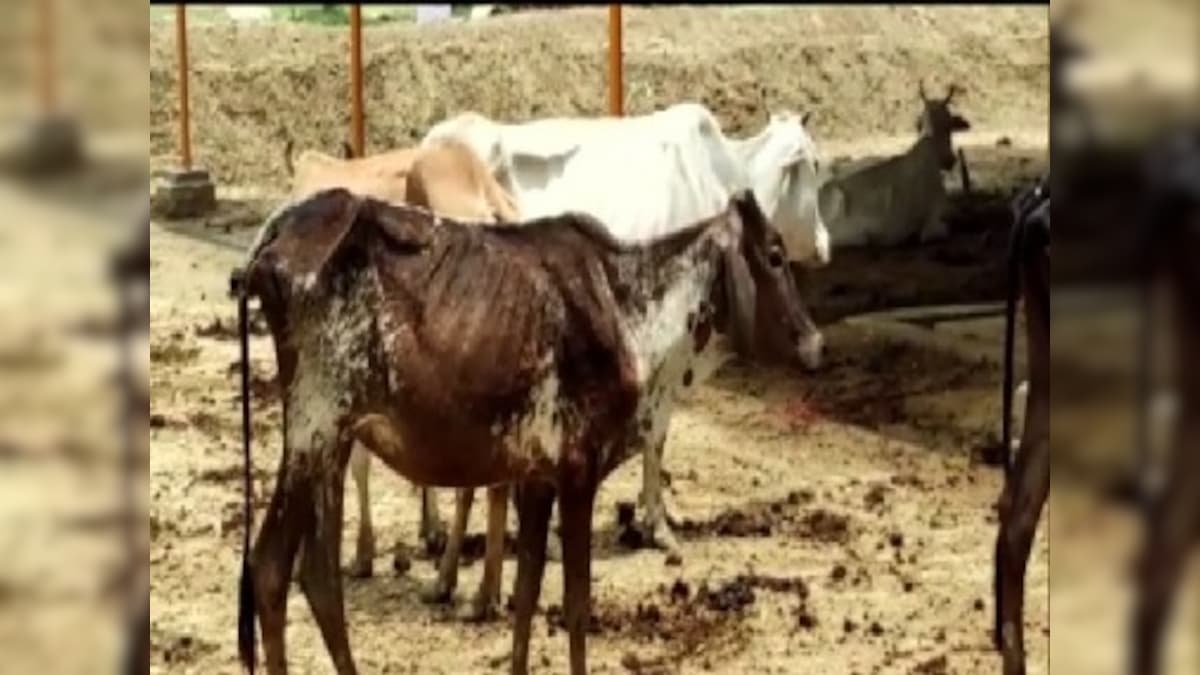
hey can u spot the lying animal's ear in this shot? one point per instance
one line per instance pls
(308, 234)
(740, 293)
(959, 123)
(805, 117)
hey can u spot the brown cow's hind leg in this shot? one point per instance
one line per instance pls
(320, 575)
(534, 503)
(287, 518)
(575, 509)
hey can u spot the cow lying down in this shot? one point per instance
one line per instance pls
(464, 356)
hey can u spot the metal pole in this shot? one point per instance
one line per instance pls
(358, 134)
(45, 40)
(185, 118)
(616, 82)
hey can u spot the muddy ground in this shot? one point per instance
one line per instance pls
(839, 522)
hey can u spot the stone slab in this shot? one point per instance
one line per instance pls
(183, 194)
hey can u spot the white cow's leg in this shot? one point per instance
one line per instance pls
(447, 578)
(655, 527)
(433, 530)
(364, 554)
(486, 603)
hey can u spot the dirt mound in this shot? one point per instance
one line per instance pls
(108, 93)
(856, 68)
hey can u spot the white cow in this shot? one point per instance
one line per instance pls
(673, 165)
(647, 176)
(893, 201)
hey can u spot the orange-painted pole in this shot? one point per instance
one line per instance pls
(616, 81)
(185, 115)
(357, 132)
(45, 46)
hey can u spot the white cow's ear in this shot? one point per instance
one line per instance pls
(804, 118)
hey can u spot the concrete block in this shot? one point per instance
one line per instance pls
(183, 194)
(45, 146)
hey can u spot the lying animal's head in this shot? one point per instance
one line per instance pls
(758, 302)
(938, 123)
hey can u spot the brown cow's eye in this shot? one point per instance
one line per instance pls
(775, 257)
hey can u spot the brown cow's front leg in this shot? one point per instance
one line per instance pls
(288, 517)
(1017, 530)
(486, 603)
(320, 577)
(655, 526)
(575, 509)
(447, 578)
(535, 501)
(1171, 533)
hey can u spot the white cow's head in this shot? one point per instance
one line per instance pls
(937, 122)
(784, 175)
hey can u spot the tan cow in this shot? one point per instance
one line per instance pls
(447, 178)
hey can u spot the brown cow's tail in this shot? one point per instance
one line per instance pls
(246, 618)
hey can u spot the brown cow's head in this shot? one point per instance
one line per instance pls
(760, 302)
(937, 122)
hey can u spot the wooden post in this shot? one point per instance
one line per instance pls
(358, 134)
(616, 82)
(45, 47)
(185, 121)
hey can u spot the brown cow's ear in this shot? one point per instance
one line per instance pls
(309, 234)
(959, 123)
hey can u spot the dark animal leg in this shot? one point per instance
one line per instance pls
(534, 503)
(320, 573)
(289, 515)
(1170, 534)
(575, 508)
(1028, 496)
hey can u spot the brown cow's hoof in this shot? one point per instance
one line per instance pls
(480, 610)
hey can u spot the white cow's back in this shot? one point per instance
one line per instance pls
(643, 176)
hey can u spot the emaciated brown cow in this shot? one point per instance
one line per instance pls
(464, 356)
(448, 178)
